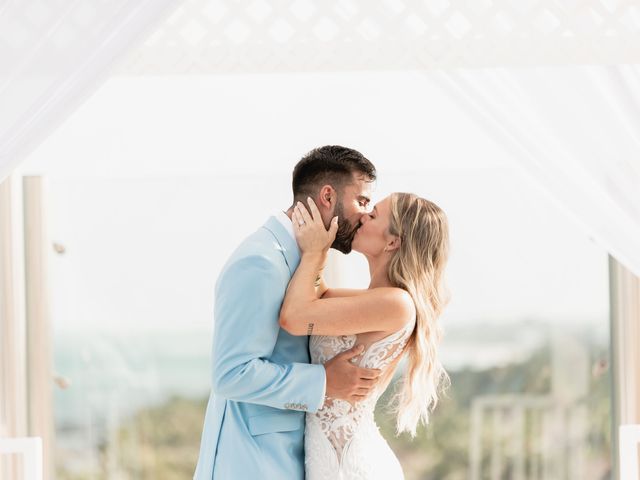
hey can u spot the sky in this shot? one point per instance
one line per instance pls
(154, 181)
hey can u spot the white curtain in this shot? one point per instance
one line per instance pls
(54, 54)
(576, 132)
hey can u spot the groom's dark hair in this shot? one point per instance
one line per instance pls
(329, 165)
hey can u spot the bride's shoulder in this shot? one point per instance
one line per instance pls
(398, 299)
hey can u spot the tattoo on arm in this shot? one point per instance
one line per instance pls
(310, 329)
(317, 282)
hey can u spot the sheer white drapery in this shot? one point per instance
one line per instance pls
(53, 55)
(576, 132)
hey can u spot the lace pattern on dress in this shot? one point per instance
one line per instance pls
(338, 419)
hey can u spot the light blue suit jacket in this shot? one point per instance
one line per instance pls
(262, 380)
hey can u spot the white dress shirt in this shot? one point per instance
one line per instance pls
(286, 223)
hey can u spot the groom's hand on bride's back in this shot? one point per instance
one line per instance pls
(347, 381)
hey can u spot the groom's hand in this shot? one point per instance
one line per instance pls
(347, 381)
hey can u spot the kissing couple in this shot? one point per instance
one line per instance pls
(298, 366)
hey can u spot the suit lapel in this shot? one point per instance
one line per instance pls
(288, 245)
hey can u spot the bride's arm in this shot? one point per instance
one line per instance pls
(303, 313)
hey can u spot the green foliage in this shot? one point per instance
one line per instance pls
(162, 442)
(440, 451)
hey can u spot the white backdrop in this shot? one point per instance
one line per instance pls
(419, 139)
(576, 132)
(573, 131)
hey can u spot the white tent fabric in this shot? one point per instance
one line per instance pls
(221, 36)
(575, 134)
(576, 131)
(53, 55)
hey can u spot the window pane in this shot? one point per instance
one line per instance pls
(132, 277)
(526, 343)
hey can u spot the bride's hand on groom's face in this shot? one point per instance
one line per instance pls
(311, 234)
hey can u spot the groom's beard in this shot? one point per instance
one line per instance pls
(345, 233)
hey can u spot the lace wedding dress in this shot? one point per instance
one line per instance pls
(342, 441)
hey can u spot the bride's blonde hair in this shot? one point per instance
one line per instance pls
(417, 267)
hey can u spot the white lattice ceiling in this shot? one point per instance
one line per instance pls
(310, 35)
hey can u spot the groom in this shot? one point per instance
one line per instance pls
(263, 382)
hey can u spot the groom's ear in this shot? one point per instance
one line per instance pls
(327, 197)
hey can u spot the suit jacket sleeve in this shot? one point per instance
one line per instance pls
(249, 294)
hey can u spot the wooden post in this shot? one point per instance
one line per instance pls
(475, 440)
(30, 451)
(13, 385)
(625, 350)
(39, 338)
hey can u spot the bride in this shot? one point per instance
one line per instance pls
(405, 240)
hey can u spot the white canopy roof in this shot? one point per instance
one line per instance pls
(204, 36)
